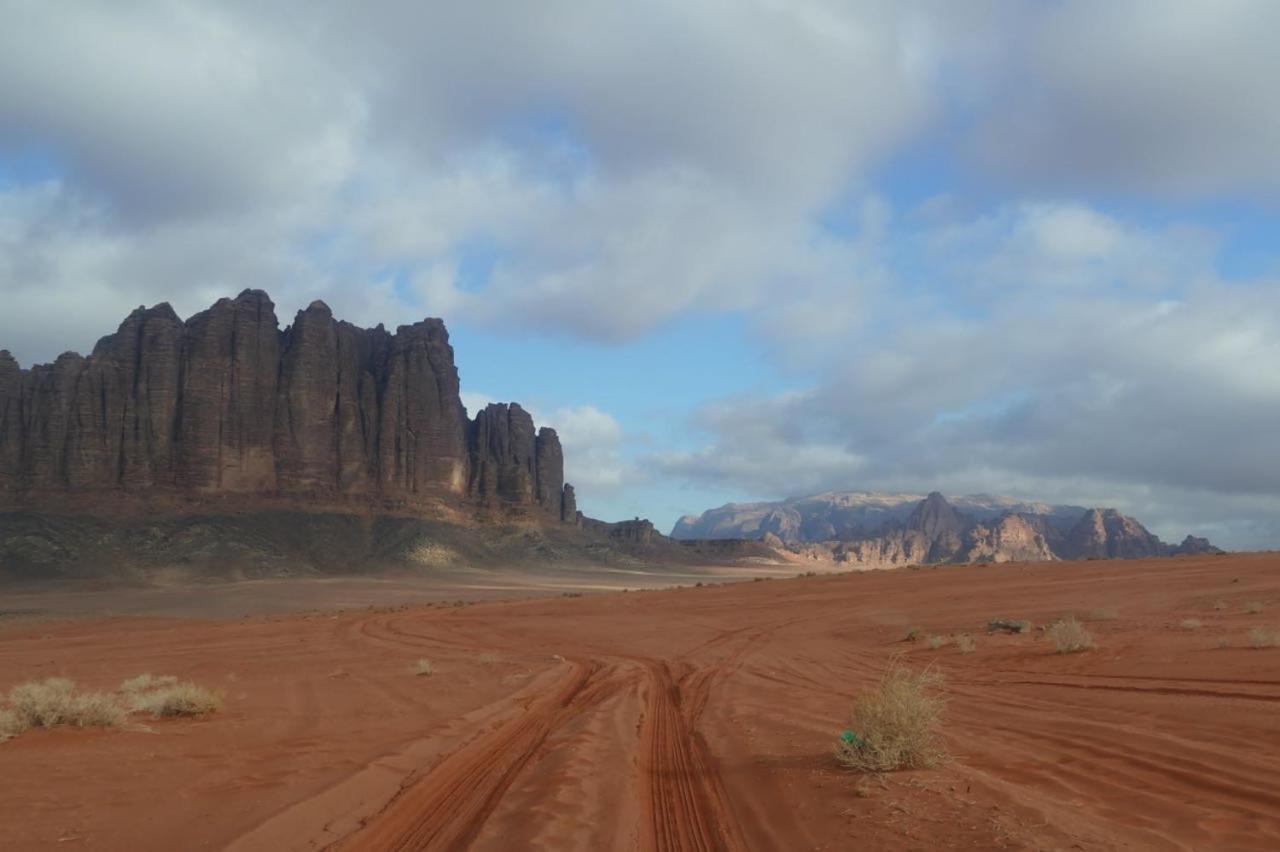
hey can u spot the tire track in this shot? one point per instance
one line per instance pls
(446, 808)
(687, 804)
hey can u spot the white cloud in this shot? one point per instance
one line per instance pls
(625, 166)
(593, 443)
(1058, 394)
(1176, 99)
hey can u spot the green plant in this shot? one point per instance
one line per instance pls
(894, 725)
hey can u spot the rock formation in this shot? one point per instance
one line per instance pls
(1195, 546)
(228, 404)
(1107, 534)
(882, 531)
(849, 515)
(1012, 538)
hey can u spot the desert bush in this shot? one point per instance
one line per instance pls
(423, 667)
(935, 641)
(1191, 623)
(966, 643)
(10, 725)
(1260, 637)
(1069, 636)
(1219, 605)
(1104, 614)
(1253, 607)
(55, 701)
(1006, 625)
(146, 682)
(913, 633)
(176, 699)
(895, 724)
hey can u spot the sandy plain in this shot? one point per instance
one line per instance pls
(693, 718)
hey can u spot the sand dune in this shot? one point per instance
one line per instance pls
(696, 718)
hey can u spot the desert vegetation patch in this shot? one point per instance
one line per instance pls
(1069, 636)
(57, 702)
(896, 724)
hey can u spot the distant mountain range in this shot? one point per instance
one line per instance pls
(883, 530)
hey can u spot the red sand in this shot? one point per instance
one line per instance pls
(698, 718)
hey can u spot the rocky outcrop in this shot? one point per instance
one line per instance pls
(1012, 538)
(634, 532)
(569, 506)
(849, 515)
(1107, 534)
(1195, 546)
(937, 525)
(935, 531)
(228, 404)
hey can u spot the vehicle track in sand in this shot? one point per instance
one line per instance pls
(446, 807)
(680, 802)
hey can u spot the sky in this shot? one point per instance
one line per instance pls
(732, 251)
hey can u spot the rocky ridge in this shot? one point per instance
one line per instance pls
(228, 405)
(884, 534)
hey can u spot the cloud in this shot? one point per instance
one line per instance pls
(1091, 390)
(593, 442)
(1171, 99)
(623, 168)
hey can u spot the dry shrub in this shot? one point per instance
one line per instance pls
(145, 683)
(966, 643)
(423, 667)
(1069, 636)
(1191, 623)
(1253, 607)
(935, 641)
(55, 701)
(895, 724)
(913, 633)
(10, 725)
(168, 697)
(1104, 614)
(1219, 605)
(1260, 637)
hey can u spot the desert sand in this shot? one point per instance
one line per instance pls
(692, 718)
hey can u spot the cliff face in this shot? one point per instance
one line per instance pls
(1107, 534)
(934, 531)
(228, 404)
(1010, 539)
(851, 515)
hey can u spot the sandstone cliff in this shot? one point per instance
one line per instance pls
(879, 531)
(850, 515)
(227, 404)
